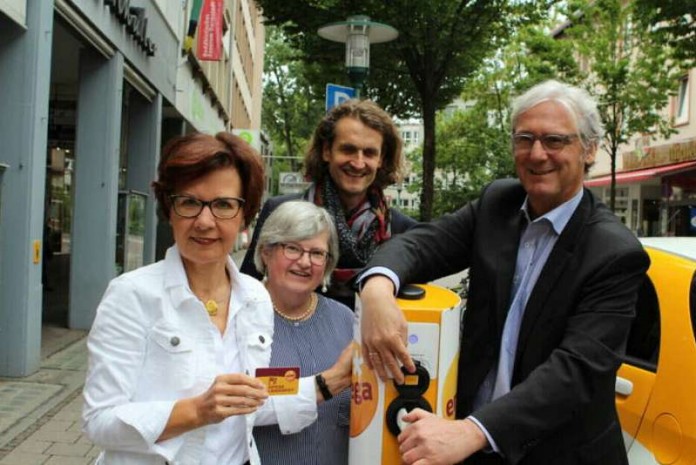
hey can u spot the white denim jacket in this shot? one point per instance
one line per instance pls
(150, 345)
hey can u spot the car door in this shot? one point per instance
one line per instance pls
(667, 431)
(636, 376)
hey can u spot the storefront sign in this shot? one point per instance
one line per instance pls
(210, 31)
(290, 182)
(134, 20)
(250, 136)
(647, 157)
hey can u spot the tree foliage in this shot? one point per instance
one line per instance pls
(474, 141)
(292, 105)
(673, 22)
(630, 73)
(441, 44)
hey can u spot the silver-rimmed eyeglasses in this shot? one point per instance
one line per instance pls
(295, 252)
(224, 208)
(522, 142)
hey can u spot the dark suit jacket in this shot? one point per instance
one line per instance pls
(399, 224)
(561, 407)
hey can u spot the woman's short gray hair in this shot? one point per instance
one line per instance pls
(296, 221)
(579, 103)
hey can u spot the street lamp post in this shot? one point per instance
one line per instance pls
(357, 32)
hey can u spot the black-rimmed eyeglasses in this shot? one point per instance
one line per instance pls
(522, 142)
(295, 252)
(224, 208)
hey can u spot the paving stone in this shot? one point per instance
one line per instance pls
(72, 358)
(58, 460)
(34, 447)
(23, 398)
(57, 425)
(67, 437)
(93, 452)
(69, 450)
(76, 426)
(40, 415)
(54, 339)
(83, 440)
(22, 458)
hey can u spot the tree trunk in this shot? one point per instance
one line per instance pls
(426, 206)
(612, 190)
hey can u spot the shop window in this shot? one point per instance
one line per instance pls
(634, 214)
(620, 203)
(681, 110)
(226, 35)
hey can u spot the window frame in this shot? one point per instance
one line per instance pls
(681, 101)
(647, 311)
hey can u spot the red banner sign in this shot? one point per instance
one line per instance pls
(210, 31)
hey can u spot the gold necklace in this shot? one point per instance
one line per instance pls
(211, 307)
(304, 315)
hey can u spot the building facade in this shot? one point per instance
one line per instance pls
(399, 195)
(89, 92)
(656, 178)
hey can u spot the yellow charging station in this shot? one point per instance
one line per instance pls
(433, 314)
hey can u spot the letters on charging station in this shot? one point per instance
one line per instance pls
(433, 314)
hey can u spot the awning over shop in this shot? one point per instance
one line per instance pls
(625, 177)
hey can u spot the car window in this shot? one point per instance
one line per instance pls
(692, 305)
(643, 345)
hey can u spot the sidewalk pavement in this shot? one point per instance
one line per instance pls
(40, 414)
(40, 421)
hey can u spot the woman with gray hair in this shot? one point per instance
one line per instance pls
(296, 253)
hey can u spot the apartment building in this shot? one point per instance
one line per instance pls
(656, 178)
(398, 195)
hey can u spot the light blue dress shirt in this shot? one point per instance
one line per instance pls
(536, 244)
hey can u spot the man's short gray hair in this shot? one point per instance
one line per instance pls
(296, 221)
(581, 106)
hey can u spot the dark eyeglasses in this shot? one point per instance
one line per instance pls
(522, 142)
(295, 252)
(224, 208)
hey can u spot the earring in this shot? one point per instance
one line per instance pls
(324, 287)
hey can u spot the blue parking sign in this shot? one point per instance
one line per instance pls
(335, 95)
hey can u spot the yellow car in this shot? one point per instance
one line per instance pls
(656, 386)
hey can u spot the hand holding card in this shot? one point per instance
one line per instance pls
(280, 381)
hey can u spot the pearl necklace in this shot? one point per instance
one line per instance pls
(310, 308)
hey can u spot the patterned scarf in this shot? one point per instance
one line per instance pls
(360, 231)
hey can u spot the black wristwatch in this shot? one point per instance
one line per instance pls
(323, 388)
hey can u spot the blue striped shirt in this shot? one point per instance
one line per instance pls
(314, 345)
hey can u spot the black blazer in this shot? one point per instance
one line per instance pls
(572, 340)
(399, 223)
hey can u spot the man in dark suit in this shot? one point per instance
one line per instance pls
(553, 283)
(354, 154)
